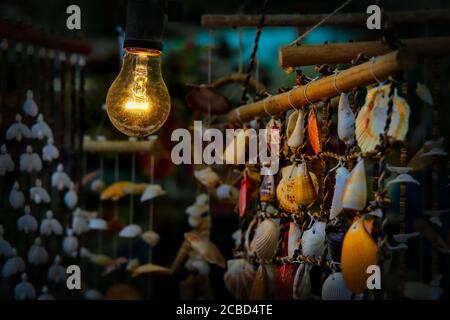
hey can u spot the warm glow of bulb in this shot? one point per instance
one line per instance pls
(137, 105)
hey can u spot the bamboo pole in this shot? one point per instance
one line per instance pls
(334, 53)
(362, 75)
(339, 19)
(125, 146)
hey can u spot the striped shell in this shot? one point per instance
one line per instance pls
(285, 190)
(355, 190)
(305, 189)
(334, 288)
(265, 241)
(239, 278)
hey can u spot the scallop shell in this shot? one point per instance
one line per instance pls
(207, 177)
(6, 162)
(305, 187)
(29, 106)
(371, 118)
(313, 240)
(295, 129)
(151, 192)
(346, 121)
(354, 196)
(359, 251)
(239, 278)
(260, 288)
(249, 235)
(302, 282)
(265, 240)
(227, 193)
(235, 150)
(294, 238)
(18, 130)
(286, 190)
(334, 288)
(16, 197)
(130, 231)
(313, 131)
(336, 204)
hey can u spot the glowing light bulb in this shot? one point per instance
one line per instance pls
(138, 102)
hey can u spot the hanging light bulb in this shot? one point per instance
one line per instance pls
(138, 102)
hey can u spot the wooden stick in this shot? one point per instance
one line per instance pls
(306, 55)
(341, 19)
(124, 146)
(361, 75)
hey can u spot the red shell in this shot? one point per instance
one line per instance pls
(313, 131)
(245, 194)
(284, 281)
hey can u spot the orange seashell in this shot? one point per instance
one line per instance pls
(305, 189)
(359, 251)
(313, 131)
(286, 190)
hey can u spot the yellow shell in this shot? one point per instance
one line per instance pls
(359, 251)
(305, 189)
(355, 190)
(285, 190)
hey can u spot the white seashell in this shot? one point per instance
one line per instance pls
(235, 150)
(130, 231)
(294, 238)
(151, 238)
(49, 151)
(18, 130)
(402, 178)
(377, 213)
(197, 210)
(207, 177)
(41, 129)
(403, 237)
(60, 179)
(13, 265)
(6, 162)
(39, 194)
(194, 221)
(334, 288)
(27, 223)
(24, 290)
(296, 128)
(248, 239)
(346, 121)
(70, 243)
(196, 263)
(29, 106)
(424, 93)
(237, 237)
(97, 185)
(265, 240)
(202, 199)
(302, 282)
(313, 240)
(45, 295)
(336, 205)
(5, 248)
(79, 223)
(152, 191)
(226, 192)
(37, 255)
(56, 273)
(16, 197)
(239, 278)
(98, 224)
(71, 198)
(436, 220)
(30, 161)
(50, 225)
(354, 196)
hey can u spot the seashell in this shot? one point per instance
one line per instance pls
(194, 221)
(16, 197)
(402, 178)
(227, 193)
(202, 199)
(60, 179)
(294, 239)
(207, 177)
(260, 287)
(336, 204)
(306, 186)
(206, 99)
(115, 191)
(97, 185)
(295, 129)
(150, 268)
(79, 223)
(265, 240)
(6, 162)
(29, 106)
(30, 161)
(151, 238)
(403, 237)
(49, 151)
(151, 192)
(18, 130)
(41, 129)
(56, 273)
(245, 194)
(45, 295)
(434, 152)
(39, 194)
(197, 264)
(424, 93)
(399, 170)
(284, 281)
(334, 288)
(302, 282)
(71, 198)
(27, 223)
(285, 189)
(372, 118)
(50, 225)
(132, 265)
(313, 240)
(98, 224)
(267, 188)
(249, 234)
(130, 231)
(237, 237)
(134, 188)
(376, 213)
(37, 255)
(197, 210)
(239, 278)
(314, 131)
(5, 248)
(24, 290)
(354, 196)
(70, 243)
(13, 265)
(346, 121)
(205, 248)
(359, 251)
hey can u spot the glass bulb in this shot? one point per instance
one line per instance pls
(138, 102)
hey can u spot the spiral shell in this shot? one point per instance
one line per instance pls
(334, 288)
(239, 278)
(265, 241)
(355, 190)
